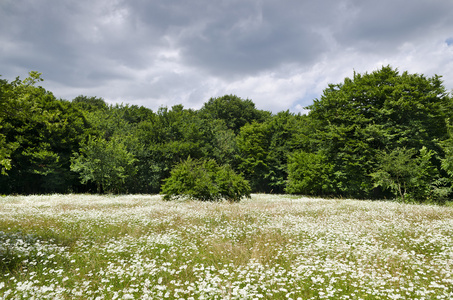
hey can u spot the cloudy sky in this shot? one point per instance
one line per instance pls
(280, 54)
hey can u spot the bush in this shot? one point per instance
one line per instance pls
(205, 180)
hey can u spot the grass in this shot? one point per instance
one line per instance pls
(268, 247)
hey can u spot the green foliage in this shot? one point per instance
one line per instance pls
(364, 138)
(234, 111)
(264, 149)
(253, 143)
(447, 147)
(371, 113)
(232, 186)
(283, 128)
(223, 143)
(5, 154)
(310, 174)
(407, 175)
(106, 163)
(38, 134)
(171, 136)
(89, 103)
(205, 180)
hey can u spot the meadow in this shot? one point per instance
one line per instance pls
(266, 247)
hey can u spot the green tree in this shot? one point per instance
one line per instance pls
(132, 125)
(445, 186)
(108, 164)
(381, 111)
(253, 143)
(89, 103)
(234, 111)
(223, 144)
(173, 136)
(264, 149)
(408, 174)
(5, 148)
(5, 154)
(40, 133)
(283, 128)
(310, 174)
(205, 180)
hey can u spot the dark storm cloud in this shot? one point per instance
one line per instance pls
(227, 37)
(71, 42)
(251, 42)
(169, 52)
(241, 37)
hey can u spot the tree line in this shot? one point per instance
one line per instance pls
(383, 134)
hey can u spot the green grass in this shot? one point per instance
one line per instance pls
(268, 247)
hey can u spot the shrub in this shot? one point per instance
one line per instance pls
(205, 180)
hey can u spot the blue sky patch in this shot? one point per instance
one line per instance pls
(449, 41)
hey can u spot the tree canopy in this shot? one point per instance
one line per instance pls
(371, 114)
(383, 134)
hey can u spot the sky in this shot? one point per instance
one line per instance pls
(279, 54)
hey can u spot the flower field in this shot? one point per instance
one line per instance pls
(266, 247)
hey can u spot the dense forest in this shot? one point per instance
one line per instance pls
(377, 135)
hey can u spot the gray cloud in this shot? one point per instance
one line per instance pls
(279, 54)
(384, 25)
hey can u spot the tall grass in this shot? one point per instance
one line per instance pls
(268, 247)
